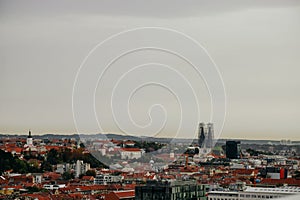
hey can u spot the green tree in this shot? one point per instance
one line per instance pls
(33, 189)
(82, 145)
(67, 176)
(8, 162)
(91, 173)
(46, 166)
(53, 157)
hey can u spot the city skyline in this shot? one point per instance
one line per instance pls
(149, 100)
(254, 44)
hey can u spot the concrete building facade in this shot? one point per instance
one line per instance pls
(170, 190)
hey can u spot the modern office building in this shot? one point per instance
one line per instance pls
(233, 149)
(170, 190)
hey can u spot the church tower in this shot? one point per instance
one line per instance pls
(201, 135)
(210, 135)
(29, 139)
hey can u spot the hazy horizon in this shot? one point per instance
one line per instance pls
(121, 134)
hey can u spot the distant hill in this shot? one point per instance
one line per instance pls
(131, 137)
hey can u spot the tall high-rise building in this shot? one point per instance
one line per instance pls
(233, 149)
(81, 168)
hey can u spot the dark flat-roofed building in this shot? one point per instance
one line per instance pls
(233, 149)
(170, 190)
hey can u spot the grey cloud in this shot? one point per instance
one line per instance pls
(136, 8)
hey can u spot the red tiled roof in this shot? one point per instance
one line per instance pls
(52, 175)
(16, 149)
(125, 194)
(53, 147)
(245, 171)
(12, 145)
(129, 187)
(117, 195)
(116, 141)
(129, 142)
(84, 188)
(289, 181)
(130, 149)
(87, 178)
(38, 196)
(17, 187)
(66, 196)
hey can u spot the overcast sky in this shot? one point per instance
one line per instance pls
(255, 45)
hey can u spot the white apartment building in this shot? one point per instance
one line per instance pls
(104, 179)
(54, 187)
(131, 153)
(81, 168)
(254, 193)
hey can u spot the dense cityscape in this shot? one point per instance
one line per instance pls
(52, 167)
(149, 100)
